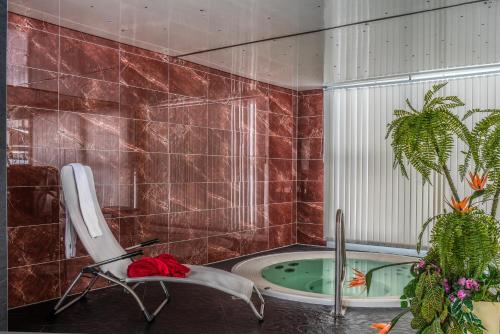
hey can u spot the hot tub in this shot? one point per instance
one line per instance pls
(309, 277)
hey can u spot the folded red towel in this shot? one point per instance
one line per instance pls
(161, 265)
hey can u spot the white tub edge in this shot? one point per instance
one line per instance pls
(251, 269)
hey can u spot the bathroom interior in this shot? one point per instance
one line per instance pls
(250, 166)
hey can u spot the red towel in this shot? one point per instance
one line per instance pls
(161, 265)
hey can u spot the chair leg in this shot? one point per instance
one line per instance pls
(259, 314)
(60, 307)
(149, 316)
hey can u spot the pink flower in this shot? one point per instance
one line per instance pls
(446, 286)
(471, 284)
(461, 281)
(461, 294)
(452, 298)
(421, 264)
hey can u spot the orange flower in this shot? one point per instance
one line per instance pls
(359, 279)
(461, 206)
(477, 183)
(384, 327)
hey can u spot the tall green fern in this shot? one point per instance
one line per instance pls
(484, 151)
(424, 139)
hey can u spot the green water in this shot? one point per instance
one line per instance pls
(317, 276)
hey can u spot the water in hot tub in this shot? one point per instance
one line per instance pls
(317, 276)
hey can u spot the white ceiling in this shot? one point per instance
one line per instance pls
(182, 26)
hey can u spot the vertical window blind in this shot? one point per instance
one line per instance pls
(381, 206)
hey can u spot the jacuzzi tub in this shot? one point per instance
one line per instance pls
(309, 277)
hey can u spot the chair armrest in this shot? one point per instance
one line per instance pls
(144, 244)
(118, 258)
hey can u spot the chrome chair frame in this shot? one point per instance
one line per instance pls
(95, 272)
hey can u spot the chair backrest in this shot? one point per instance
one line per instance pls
(102, 247)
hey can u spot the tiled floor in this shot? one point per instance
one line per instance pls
(195, 309)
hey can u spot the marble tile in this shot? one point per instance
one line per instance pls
(280, 147)
(187, 81)
(88, 60)
(310, 170)
(310, 148)
(143, 72)
(310, 234)
(223, 247)
(88, 131)
(33, 244)
(219, 169)
(145, 104)
(310, 127)
(280, 102)
(191, 252)
(32, 127)
(141, 167)
(280, 170)
(188, 139)
(280, 236)
(32, 87)
(220, 115)
(280, 125)
(220, 195)
(310, 191)
(255, 96)
(188, 225)
(222, 221)
(280, 192)
(222, 88)
(188, 111)
(134, 230)
(90, 96)
(311, 213)
(31, 175)
(31, 284)
(32, 47)
(280, 213)
(310, 105)
(254, 241)
(188, 197)
(188, 168)
(32, 206)
(220, 142)
(144, 136)
(145, 199)
(23, 22)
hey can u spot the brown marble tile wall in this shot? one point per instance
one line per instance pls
(310, 168)
(201, 159)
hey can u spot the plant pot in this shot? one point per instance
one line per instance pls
(489, 313)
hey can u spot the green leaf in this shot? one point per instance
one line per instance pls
(436, 327)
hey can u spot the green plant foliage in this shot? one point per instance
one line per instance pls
(427, 302)
(424, 139)
(466, 243)
(484, 150)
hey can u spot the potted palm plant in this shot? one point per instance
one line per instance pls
(456, 286)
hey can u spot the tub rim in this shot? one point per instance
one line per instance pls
(251, 269)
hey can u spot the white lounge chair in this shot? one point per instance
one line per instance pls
(111, 260)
